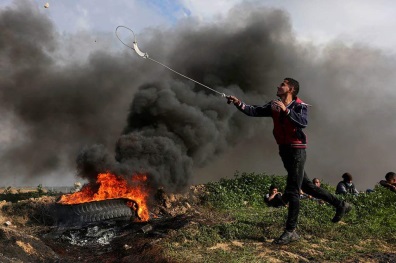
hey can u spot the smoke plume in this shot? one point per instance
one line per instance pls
(120, 113)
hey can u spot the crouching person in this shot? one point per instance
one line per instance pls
(389, 182)
(346, 186)
(274, 197)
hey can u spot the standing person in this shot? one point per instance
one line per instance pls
(289, 115)
(346, 186)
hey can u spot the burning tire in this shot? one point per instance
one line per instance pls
(86, 213)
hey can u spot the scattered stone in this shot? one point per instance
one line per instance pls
(126, 247)
(147, 228)
(172, 198)
(7, 223)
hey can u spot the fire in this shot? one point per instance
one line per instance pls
(109, 186)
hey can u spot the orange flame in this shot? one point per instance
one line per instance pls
(112, 187)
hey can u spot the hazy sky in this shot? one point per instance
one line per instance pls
(364, 21)
(82, 27)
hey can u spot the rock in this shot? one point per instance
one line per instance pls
(126, 247)
(172, 198)
(147, 228)
(7, 223)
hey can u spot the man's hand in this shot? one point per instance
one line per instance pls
(233, 99)
(278, 105)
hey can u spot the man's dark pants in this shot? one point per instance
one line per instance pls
(294, 160)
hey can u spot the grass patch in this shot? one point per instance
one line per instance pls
(241, 199)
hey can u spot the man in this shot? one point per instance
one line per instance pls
(316, 182)
(390, 182)
(346, 186)
(289, 115)
(274, 197)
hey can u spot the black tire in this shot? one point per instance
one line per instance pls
(86, 213)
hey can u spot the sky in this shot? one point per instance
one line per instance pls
(368, 22)
(318, 21)
(348, 44)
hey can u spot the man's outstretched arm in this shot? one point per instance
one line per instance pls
(251, 110)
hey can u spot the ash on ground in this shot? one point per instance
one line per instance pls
(97, 235)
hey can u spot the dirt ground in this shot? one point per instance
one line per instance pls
(28, 234)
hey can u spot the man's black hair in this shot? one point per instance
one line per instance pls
(294, 83)
(347, 177)
(315, 179)
(272, 187)
(390, 175)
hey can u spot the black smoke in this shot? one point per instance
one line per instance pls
(179, 132)
(53, 106)
(174, 126)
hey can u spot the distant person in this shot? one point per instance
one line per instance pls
(274, 197)
(390, 181)
(346, 186)
(77, 187)
(316, 182)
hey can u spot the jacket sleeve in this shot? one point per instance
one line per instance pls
(384, 183)
(256, 111)
(355, 191)
(387, 185)
(299, 115)
(341, 189)
(266, 198)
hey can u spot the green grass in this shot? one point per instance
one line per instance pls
(365, 230)
(235, 225)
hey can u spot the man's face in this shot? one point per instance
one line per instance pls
(317, 183)
(274, 191)
(392, 180)
(284, 88)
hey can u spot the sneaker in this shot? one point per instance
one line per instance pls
(287, 237)
(341, 210)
